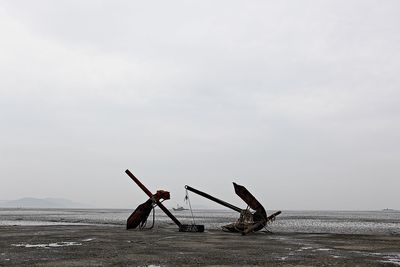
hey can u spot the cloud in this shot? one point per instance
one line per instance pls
(286, 97)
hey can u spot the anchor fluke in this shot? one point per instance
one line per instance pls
(142, 212)
(248, 221)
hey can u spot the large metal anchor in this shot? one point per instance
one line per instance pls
(142, 212)
(248, 221)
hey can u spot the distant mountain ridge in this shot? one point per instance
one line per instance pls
(31, 202)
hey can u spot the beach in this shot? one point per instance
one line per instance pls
(97, 237)
(276, 120)
(102, 245)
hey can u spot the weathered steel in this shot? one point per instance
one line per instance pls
(260, 215)
(136, 180)
(273, 216)
(250, 200)
(142, 212)
(140, 215)
(219, 201)
(248, 222)
(147, 191)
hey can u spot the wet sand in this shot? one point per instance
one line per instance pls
(94, 245)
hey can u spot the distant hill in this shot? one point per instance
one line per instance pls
(30, 202)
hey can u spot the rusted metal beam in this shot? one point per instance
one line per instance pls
(219, 201)
(147, 191)
(136, 180)
(248, 222)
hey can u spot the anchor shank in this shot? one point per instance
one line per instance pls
(147, 191)
(219, 201)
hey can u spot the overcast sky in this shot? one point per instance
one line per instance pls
(296, 100)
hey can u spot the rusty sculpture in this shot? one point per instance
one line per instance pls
(142, 212)
(248, 222)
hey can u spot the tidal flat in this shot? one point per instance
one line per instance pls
(112, 245)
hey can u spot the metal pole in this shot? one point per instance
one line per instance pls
(219, 201)
(147, 191)
(136, 180)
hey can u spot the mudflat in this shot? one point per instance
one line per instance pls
(98, 245)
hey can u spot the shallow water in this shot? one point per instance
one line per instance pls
(346, 222)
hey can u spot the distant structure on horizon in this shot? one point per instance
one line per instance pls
(30, 202)
(389, 210)
(179, 208)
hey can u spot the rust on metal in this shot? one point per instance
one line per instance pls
(248, 221)
(142, 212)
(251, 219)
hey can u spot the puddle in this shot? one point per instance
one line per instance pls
(393, 259)
(50, 245)
(88, 239)
(324, 249)
(36, 223)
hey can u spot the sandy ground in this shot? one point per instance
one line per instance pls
(87, 245)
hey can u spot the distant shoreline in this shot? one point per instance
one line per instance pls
(205, 209)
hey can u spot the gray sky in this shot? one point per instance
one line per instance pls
(296, 100)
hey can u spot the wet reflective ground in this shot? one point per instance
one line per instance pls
(342, 222)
